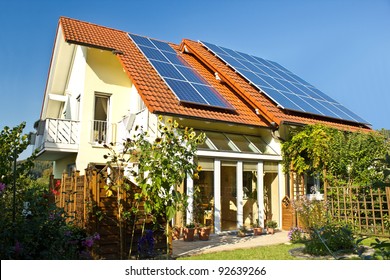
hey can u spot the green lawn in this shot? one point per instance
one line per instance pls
(274, 252)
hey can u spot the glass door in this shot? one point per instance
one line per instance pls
(228, 196)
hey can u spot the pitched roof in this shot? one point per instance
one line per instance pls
(251, 107)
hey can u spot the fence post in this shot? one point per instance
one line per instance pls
(63, 190)
(388, 199)
(74, 191)
(85, 198)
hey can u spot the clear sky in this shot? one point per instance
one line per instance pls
(340, 46)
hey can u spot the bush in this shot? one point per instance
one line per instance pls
(311, 213)
(329, 239)
(31, 226)
(296, 235)
(41, 230)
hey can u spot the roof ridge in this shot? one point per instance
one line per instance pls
(90, 23)
(116, 29)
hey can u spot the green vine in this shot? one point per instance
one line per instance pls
(347, 157)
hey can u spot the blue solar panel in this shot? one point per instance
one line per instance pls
(285, 88)
(181, 78)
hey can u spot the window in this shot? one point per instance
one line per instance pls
(314, 187)
(250, 180)
(100, 121)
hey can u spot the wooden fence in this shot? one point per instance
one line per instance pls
(87, 205)
(367, 208)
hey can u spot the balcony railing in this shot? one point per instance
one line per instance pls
(57, 133)
(103, 132)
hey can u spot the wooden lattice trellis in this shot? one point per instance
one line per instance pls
(367, 208)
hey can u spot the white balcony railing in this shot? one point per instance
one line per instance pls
(57, 132)
(103, 132)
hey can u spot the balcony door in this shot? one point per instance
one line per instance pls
(100, 121)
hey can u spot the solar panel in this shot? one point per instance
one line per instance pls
(180, 77)
(281, 85)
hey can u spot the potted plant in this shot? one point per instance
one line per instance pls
(204, 233)
(242, 231)
(271, 225)
(257, 229)
(189, 232)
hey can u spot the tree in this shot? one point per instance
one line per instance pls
(12, 143)
(13, 174)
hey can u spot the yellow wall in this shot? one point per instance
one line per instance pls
(104, 74)
(61, 166)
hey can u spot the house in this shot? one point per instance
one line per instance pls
(103, 82)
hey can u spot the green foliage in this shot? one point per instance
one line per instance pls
(158, 166)
(12, 143)
(308, 149)
(41, 169)
(41, 231)
(385, 180)
(330, 240)
(382, 249)
(296, 235)
(347, 157)
(31, 226)
(162, 165)
(190, 225)
(271, 224)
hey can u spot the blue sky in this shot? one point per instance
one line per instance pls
(340, 46)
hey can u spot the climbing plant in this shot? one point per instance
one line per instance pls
(347, 157)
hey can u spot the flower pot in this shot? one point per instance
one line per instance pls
(204, 233)
(270, 230)
(188, 234)
(257, 231)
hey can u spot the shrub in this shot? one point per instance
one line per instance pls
(296, 235)
(329, 239)
(311, 213)
(41, 230)
(31, 227)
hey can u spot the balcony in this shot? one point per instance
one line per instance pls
(102, 132)
(56, 138)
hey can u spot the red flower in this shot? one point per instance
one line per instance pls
(55, 192)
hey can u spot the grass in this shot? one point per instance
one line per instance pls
(273, 252)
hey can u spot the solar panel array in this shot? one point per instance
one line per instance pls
(285, 88)
(181, 78)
